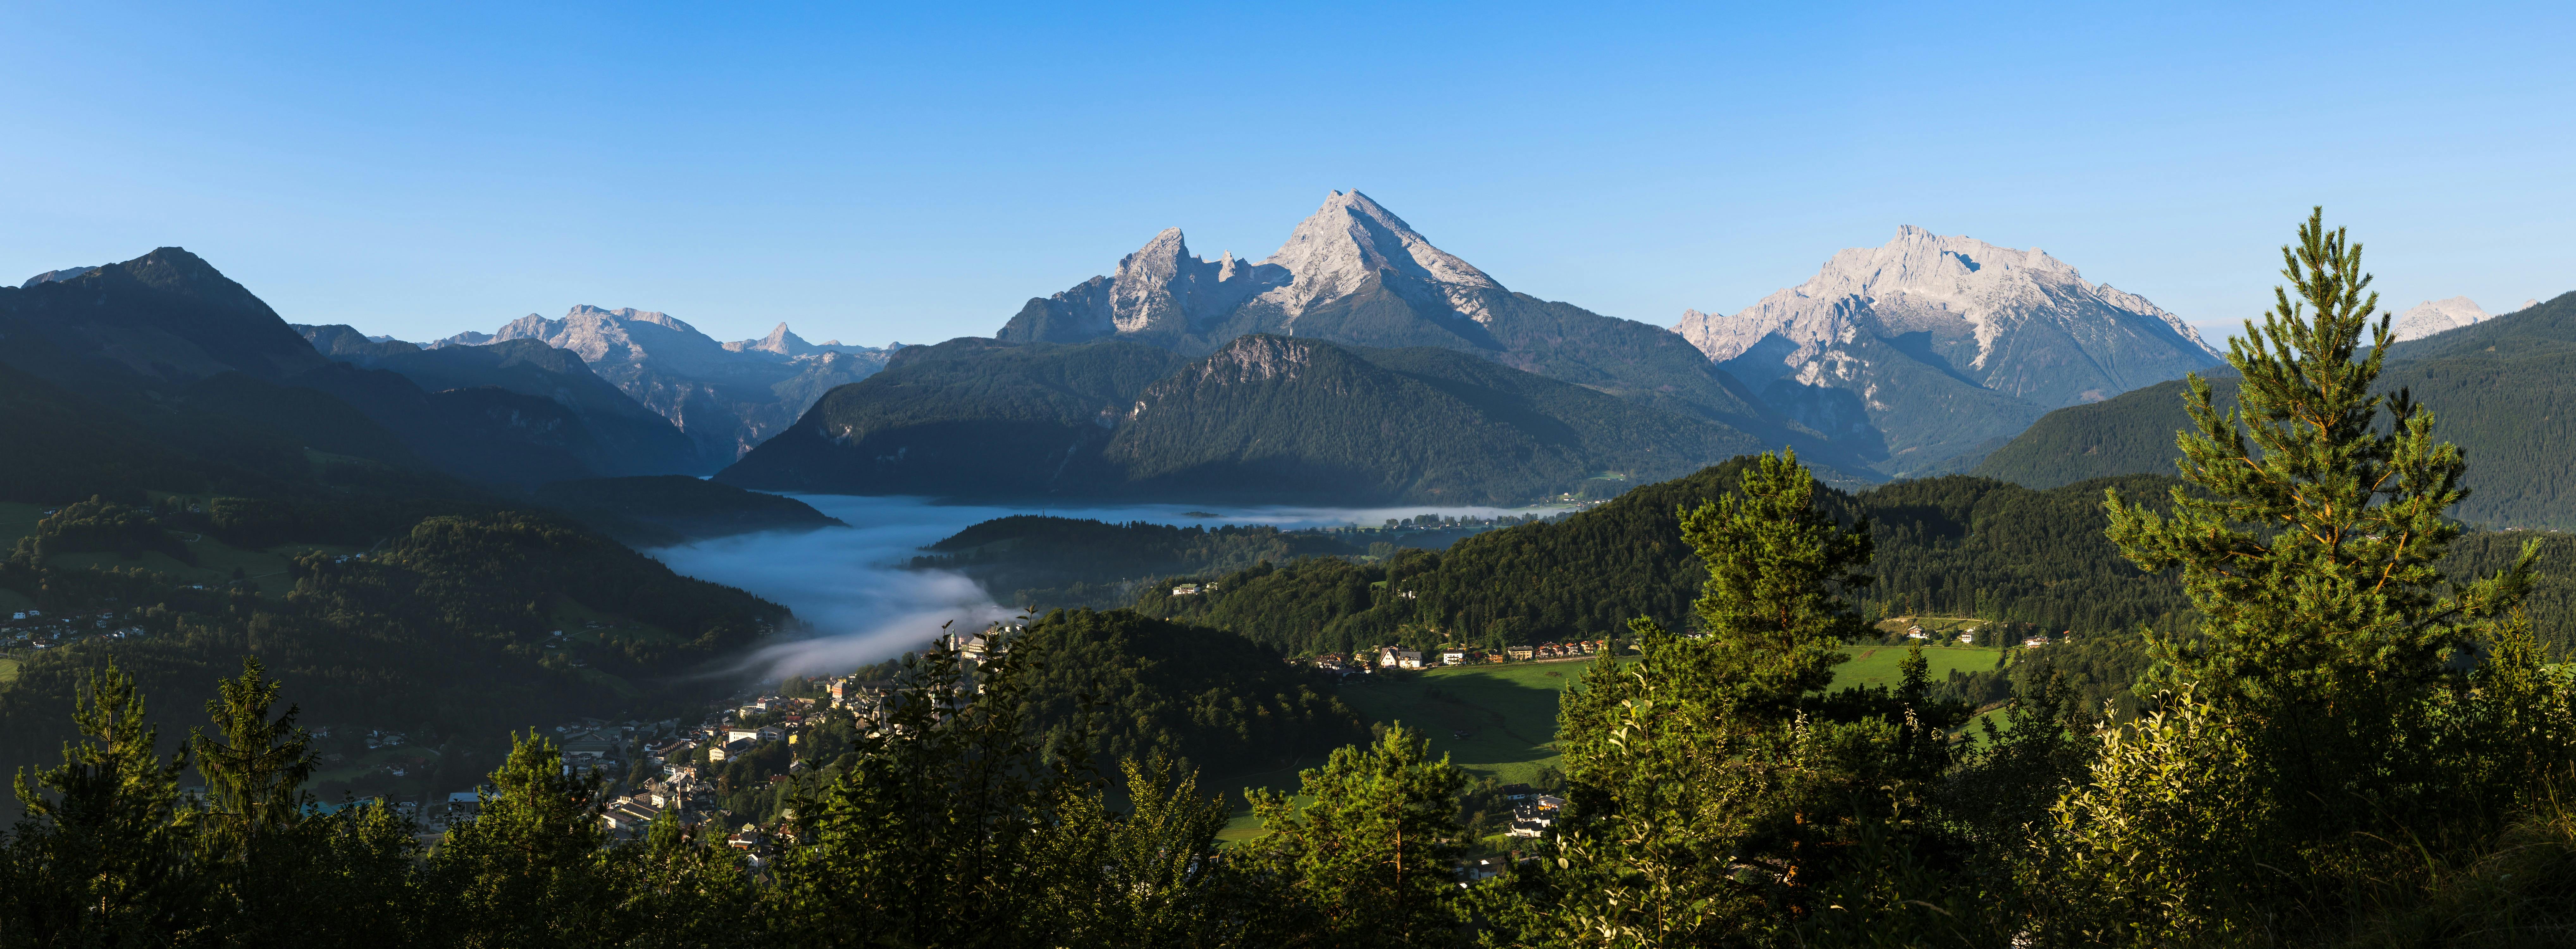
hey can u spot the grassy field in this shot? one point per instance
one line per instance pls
(8, 671)
(1500, 720)
(1876, 665)
(1494, 720)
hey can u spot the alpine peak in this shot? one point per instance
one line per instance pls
(1352, 238)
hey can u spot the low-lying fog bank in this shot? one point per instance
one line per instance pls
(852, 588)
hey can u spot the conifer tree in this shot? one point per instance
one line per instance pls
(528, 870)
(933, 836)
(1364, 861)
(255, 766)
(2309, 535)
(101, 853)
(1708, 779)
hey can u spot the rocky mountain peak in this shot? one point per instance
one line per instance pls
(1334, 251)
(2437, 316)
(1923, 282)
(779, 342)
(1939, 343)
(55, 276)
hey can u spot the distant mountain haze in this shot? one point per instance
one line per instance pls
(208, 370)
(726, 397)
(628, 438)
(1932, 346)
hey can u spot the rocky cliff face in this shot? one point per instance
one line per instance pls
(727, 397)
(1936, 345)
(1353, 272)
(2438, 316)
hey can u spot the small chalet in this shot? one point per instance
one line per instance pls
(1392, 657)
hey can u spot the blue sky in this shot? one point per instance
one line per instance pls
(907, 173)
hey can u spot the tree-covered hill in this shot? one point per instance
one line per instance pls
(1950, 546)
(661, 510)
(1211, 698)
(2497, 389)
(435, 618)
(1032, 560)
(1265, 417)
(194, 491)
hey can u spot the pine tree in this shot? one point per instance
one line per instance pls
(2309, 536)
(255, 767)
(933, 836)
(529, 869)
(101, 855)
(1778, 570)
(1710, 780)
(1365, 859)
(2325, 706)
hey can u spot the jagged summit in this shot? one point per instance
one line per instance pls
(1352, 239)
(780, 341)
(2438, 316)
(726, 396)
(1921, 281)
(1349, 249)
(1941, 343)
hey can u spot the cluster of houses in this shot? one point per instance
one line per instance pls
(1968, 637)
(1394, 657)
(1532, 813)
(35, 629)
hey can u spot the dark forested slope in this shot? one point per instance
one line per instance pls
(1208, 697)
(1956, 545)
(2497, 389)
(1264, 417)
(1035, 560)
(185, 489)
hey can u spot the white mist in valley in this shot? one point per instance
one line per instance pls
(860, 602)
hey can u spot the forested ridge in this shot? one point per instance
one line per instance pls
(439, 621)
(1269, 418)
(2497, 390)
(1947, 546)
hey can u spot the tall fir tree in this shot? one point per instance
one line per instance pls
(1711, 781)
(1364, 859)
(101, 856)
(2309, 534)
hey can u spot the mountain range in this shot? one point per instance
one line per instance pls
(1890, 362)
(2497, 388)
(200, 366)
(1354, 273)
(726, 397)
(1925, 348)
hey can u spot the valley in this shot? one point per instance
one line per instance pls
(1178, 506)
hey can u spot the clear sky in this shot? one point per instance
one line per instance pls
(916, 172)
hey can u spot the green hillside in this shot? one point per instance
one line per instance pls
(660, 510)
(2497, 389)
(1956, 545)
